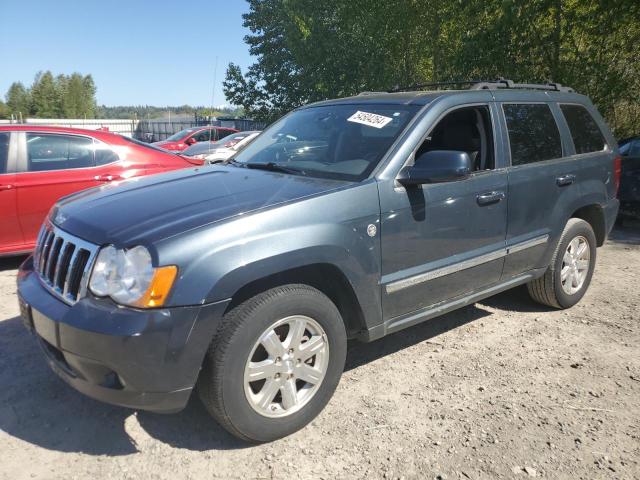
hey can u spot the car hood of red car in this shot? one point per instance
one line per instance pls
(144, 210)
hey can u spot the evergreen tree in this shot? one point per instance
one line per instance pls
(17, 100)
(44, 96)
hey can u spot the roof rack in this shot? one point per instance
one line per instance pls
(483, 85)
(422, 86)
(510, 84)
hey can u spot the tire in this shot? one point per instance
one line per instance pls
(223, 386)
(549, 289)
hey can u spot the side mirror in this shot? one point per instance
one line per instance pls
(190, 141)
(436, 166)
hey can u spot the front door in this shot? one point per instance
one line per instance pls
(440, 241)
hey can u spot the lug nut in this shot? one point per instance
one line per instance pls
(277, 375)
(291, 350)
(278, 359)
(290, 376)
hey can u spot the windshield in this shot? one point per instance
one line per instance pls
(344, 142)
(200, 147)
(147, 145)
(230, 139)
(180, 135)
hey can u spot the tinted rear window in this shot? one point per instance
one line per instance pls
(533, 133)
(586, 135)
(4, 151)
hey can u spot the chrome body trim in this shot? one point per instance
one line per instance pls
(464, 265)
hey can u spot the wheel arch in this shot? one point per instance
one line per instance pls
(593, 214)
(325, 277)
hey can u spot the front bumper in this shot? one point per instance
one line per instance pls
(147, 359)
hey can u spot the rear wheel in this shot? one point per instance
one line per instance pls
(275, 363)
(566, 280)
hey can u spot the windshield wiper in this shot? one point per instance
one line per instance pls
(274, 167)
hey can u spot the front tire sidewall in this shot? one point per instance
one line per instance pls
(580, 229)
(244, 418)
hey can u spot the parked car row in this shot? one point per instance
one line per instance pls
(222, 150)
(190, 136)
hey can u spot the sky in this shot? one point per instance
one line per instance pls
(139, 52)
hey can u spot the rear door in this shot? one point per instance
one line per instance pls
(542, 182)
(10, 233)
(50, 166)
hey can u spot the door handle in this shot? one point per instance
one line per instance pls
(565, 180)
(6, 186)
(107, 178)
(490, 198)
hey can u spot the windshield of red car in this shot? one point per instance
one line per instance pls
(180, 135)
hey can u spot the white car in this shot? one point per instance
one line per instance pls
(215, 152)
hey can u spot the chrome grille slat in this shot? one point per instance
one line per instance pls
(64, 262)
(72, 264)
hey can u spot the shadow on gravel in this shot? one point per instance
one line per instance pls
(11, 263)
(39, 408)
(628, 234)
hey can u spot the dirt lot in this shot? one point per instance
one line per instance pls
(501, 389)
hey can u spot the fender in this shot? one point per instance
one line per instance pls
(218, 260)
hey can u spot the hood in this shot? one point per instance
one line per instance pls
(143, 210)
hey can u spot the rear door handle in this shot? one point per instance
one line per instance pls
(565, 180)
(6, 186)
(107, 178)
(490, 198)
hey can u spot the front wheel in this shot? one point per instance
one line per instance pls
(566, 280)
(275, 363)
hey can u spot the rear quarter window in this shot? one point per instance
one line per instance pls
(533, 133)
(585, 132)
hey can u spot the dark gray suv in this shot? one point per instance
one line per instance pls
(349, 218)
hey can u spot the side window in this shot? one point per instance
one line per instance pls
(202, 136)
(4, 152)
(634, 151)
(586, 135)
(465, 129)
(58, 152)
(533, 133)
(104, 154)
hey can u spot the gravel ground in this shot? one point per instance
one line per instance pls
(500, 389)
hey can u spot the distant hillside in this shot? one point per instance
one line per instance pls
(152, 112)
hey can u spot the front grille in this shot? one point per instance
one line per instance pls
(63, 262)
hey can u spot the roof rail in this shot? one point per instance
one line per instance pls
(510, 84)
(422, 86)
(370, 93)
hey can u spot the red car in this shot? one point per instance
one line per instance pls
(38, 165)
(187, 137)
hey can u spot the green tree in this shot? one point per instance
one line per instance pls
(309, 51)
(44, 97)
(4, 110)
(18, 102)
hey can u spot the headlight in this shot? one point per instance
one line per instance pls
(129, 278)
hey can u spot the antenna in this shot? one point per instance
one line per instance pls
(213, 89)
